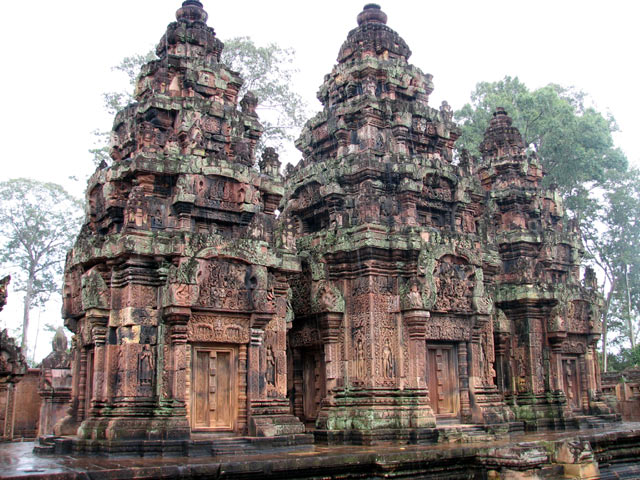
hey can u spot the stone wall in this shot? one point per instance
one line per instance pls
(624, 389)
(27, 410)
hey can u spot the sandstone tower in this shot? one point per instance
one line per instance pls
(174, 290)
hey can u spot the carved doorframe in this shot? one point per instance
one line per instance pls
(209, 329)
(303, 343)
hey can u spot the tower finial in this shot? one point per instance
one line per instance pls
(371, 13)
(192, 11)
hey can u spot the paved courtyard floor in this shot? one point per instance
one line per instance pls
(17, 460)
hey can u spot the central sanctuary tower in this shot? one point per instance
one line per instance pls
(393, 327)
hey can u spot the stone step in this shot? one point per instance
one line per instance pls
(584, 422)
(464, 434)
(44, 449)
(46, 445)
(232, 446)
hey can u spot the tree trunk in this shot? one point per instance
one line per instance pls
(28, 298)
(605, 325)
(629, 319)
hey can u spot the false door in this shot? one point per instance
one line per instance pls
(442, 380)
(571, 380)
(214, 388)
(313, 386)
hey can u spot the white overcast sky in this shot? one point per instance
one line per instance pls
(58, 54)
(57, 59)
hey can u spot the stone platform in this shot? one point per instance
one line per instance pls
(609, 453)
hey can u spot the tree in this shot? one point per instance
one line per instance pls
(115, 101)
(38, 223)
(626, 358)
(612, 239)
(266, 71)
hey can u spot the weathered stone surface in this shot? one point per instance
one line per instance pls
(622, 389)
(55, 384)
(27, 406)
(457, 281)
(12, 368)
(176, 290)
(546, 366)
(399, 287)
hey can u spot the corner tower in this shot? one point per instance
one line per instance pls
(547, 319)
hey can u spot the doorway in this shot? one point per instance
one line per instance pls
(214, 389)
(313, 382)
(571, 382)
(442, 380)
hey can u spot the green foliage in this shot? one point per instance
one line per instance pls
(130, 66)
(38, 223)
(268, 73)
(612, 238)
(626, 358)
(572, 139)
(100, 150)
(117, 100)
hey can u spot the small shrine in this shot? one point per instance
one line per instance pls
(54, 386)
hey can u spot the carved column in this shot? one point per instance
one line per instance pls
(330, 330)
(473, 362)
(555, 362)
(416, 324)
(82, 384)
(298, 408)
(256, 385)
(98, 320)
(584, 382)
(463, 369)
(593, 374)
(503, 380)
(175, 382)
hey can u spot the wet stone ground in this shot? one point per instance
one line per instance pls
(617, 450)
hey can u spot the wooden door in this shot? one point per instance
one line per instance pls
(213, 388)
(442, 380)
(571, 380)
(313, 382)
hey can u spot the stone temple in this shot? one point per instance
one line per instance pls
(381, 290)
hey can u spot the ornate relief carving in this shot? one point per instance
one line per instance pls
(328, 298)
(305, 337)
(439, 328)
(437, 188)
(220, 329)
(574, 346)
(454, 284)
(95, 292)
(227, 285)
